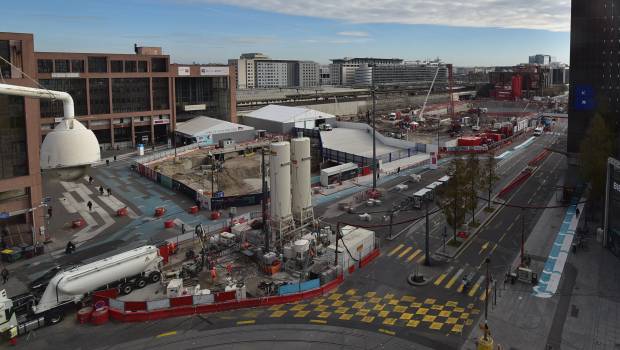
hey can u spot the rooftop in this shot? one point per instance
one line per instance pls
(201, 125)
(353, 141)
(285, 114)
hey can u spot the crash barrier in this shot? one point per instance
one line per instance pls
(516, 182)
(198, 304)
(166, 153)
(370, 257)
(539, 158)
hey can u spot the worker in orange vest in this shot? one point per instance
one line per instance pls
(213, 274)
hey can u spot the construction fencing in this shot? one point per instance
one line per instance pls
(139, 311)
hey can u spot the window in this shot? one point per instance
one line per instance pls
(116, 66)
(13, 149)
(61, 66)
(99, 96)
(130, 66)
(75, 87)
(142, 66)
(160, 93)
(159, 64)
(130, 95)
(77, 66)
(45, 66)
(97, 64)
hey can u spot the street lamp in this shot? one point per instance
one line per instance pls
(374, 131)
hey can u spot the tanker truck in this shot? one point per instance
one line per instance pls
(126, 271)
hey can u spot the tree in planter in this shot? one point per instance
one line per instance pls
(472, 183)
(489, 176)
(595, 148)
(452, 194)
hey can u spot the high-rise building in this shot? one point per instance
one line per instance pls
(343, 70)
(325, 75)
(413, 73)
(595, 67)
(256, 70)
(541, 59)
(21, 211)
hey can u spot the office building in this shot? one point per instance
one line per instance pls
(408, 73)
(541, 59)
(308, 74)
(325, 77)
(594, 76)
(204, 90)
(256, 70)
(343, 70)
(21, 210)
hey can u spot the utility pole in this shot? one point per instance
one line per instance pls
(337, 239)
(374, 131)
(522, 236)
(391, 222)
(427, 260)
(264, 201)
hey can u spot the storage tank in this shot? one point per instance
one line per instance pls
(301, 184)
(280, 180)
(74, 283)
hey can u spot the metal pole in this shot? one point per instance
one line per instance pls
(391, 222)
(374, 144)
(264, 201)
(486, 301)
(522, 236)
(427, 260)
(337, 239)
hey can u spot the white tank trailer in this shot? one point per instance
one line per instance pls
(301, 182)
(280, 181)
(73, 284)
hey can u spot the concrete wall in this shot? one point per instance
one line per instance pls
(383, 104)
(237, 136)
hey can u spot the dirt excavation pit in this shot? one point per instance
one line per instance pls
(238, 174)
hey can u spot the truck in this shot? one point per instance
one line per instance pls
(126, 271)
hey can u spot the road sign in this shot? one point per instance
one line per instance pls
(4, 215)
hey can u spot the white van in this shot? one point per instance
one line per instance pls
(538, 131)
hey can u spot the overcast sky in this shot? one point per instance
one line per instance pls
(466, 33)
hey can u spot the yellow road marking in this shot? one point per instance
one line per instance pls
(454, 278)
(389, 321)
(484, 247)
(368, 319)
(493, 249)
(413, 323)
(239, 323)
(345, 317)
(301, 314)
(460, 288)
(404, 252)
(319, 321)
(436, 326)
(396, 249)
(452, 320)
(278, 313)
(166, 334)
(413, 255)
(473, 290)
(324, 314)
(421, 258)
(458, 328)
(386, 331)
(440, 279)
(383, 313)
(483, 296)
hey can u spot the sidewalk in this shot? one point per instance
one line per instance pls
(520, 320)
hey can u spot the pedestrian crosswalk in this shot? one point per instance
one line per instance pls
(407, 254)
(454, 280)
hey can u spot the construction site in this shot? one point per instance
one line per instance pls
(231, 174)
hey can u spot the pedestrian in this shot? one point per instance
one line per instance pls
(5, 275)
(90, 180)
(70, 248)
(49, 212)
(89, 205)
(109, 192)
(101, 190)
(398, 170)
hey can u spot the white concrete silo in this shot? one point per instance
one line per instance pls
(280, 187)
(301, 183)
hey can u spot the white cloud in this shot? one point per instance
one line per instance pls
(356, 34)
(552, 15)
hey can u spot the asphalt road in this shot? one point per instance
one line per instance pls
(374, 308)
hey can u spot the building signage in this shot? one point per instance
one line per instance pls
(214, 71)
(65, 75)
(183, 71)
(199, 107)
(161, 121)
